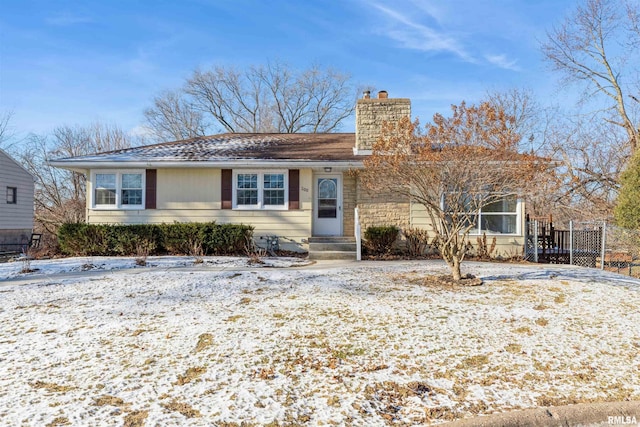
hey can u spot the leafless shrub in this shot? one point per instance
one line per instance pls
(484, 250)
(417, 241)
(254, 252)
(196, 250)
(143, 249)
(26, 260)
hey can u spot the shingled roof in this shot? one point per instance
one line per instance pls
(299, 147)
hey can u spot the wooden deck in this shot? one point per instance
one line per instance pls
(555, 247)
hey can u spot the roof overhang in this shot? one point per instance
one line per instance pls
(81, 166)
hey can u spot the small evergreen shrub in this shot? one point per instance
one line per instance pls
(82, 239)
(379, 240)
(180, 237)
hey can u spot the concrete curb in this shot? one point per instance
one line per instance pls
(582, 414)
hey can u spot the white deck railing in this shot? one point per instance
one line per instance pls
(357, 232)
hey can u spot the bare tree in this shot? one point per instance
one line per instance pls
(236, 101)
(529, 116)
(597, 46)
(5, 130)
(94, 138)
(315, 100)
(174, 117)
(264, 98)
(579, 153)
(60, 194)
(454, 168)
(591, 155)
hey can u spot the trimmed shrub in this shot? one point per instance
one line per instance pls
(83, 239)
(380, 239)
(178, 238)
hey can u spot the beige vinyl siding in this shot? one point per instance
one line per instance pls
(506, 245)
(194, 195)
(293, 223)
(306, 196)
(188, 189)
(17, 216)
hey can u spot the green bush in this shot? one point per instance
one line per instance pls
(178, 238)
(627, 209)
(380, 239)
(83, 239)
(127, 239)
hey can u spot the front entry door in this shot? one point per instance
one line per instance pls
(327, 212)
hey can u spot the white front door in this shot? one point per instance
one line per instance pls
(327, 211)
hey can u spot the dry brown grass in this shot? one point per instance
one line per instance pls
(59, 421)
(135, 419)
(473, 362)
(388, 399)
(542, 321)
(52, 387)
(560, 299)
(204, 341)
(190, 375)
(107, 400)
(523, 330)
(513, 348)
(183, 408)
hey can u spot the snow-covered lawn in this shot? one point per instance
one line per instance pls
(361, 344)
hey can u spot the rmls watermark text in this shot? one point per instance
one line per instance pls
(621, 420)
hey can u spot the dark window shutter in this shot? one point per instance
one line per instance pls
(294, 189)
(151, 180)
(227, 189)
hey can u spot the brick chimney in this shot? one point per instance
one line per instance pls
(371, 113)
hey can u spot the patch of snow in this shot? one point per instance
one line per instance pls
(363, 344)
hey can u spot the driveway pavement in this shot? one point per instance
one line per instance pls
(584, 414)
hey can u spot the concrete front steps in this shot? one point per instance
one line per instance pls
(332, 248)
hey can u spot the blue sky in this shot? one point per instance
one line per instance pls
(75, 62)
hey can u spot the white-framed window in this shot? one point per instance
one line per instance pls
(118, 189)
(260, 189)
(499, 217)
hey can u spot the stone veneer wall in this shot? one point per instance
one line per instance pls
(383, 208)
(371, 113)
(388, 208)
(348, 204)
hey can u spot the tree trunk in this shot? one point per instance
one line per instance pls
(453, 261)
(455, 269)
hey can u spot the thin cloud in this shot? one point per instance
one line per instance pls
(412, 35)
(66, 19)
(503, 62)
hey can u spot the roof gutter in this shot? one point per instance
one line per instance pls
(80, 165)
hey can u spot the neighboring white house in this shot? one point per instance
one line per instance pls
(16, 205)
(296, 186)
